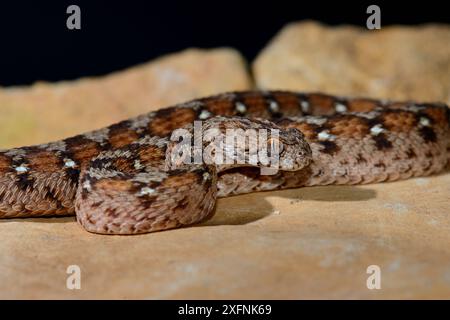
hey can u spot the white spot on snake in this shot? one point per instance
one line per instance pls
(274, 107)
(206, 176)
(367, 115)
(305, 106)
(205, 114)
(145, 191)
(376, 129)
(138, 165)
(21, 169)
(240, 107)
(425, 122)
(316, 120)
(339, 107)
(69, 163)
(325, 135)
(87, 185)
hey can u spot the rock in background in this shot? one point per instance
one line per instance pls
(50, 111)
(397, 62)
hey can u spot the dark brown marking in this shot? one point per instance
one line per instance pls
(321, 104)
(82, 149)
(47, 161)
(348, 126)
(50, 195)
(219, 106)
(84, 194)
(182, 205)
(124, 165)
(121, 134)
(97, 204)
(289, 103)
(329, 147)
(151, 154)
(99, 163)
(380, 165)
(111, 212)
(168, 119)
(428, 134)
(360, 159)
(438, 114)
(146, 201)
(256, 105)
(381, 142)
(309, 130)
(410, 153)
(72, 174)
(24, 181)
(362, 105)
(399, 120)
(428, 154)
(5, 163)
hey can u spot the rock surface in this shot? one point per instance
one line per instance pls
(396, 62)
(302, 243)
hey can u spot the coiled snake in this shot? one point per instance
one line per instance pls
(118, 179)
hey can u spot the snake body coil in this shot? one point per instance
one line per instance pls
(118, 181)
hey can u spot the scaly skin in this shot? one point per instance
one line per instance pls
(117, 181)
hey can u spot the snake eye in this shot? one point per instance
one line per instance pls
(273, 143)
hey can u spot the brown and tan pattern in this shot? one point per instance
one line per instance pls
(117, 181)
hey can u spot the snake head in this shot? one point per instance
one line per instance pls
(294, 152)
(230, 142)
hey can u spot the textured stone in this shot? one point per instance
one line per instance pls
(396, 62)
(302, 243)
(50, 111)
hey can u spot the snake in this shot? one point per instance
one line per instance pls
(124, 178)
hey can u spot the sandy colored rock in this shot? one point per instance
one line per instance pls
(302, 243)
(50, 111)
(396, 62)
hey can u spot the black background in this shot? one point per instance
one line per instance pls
(168, 309)
(36, 45)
